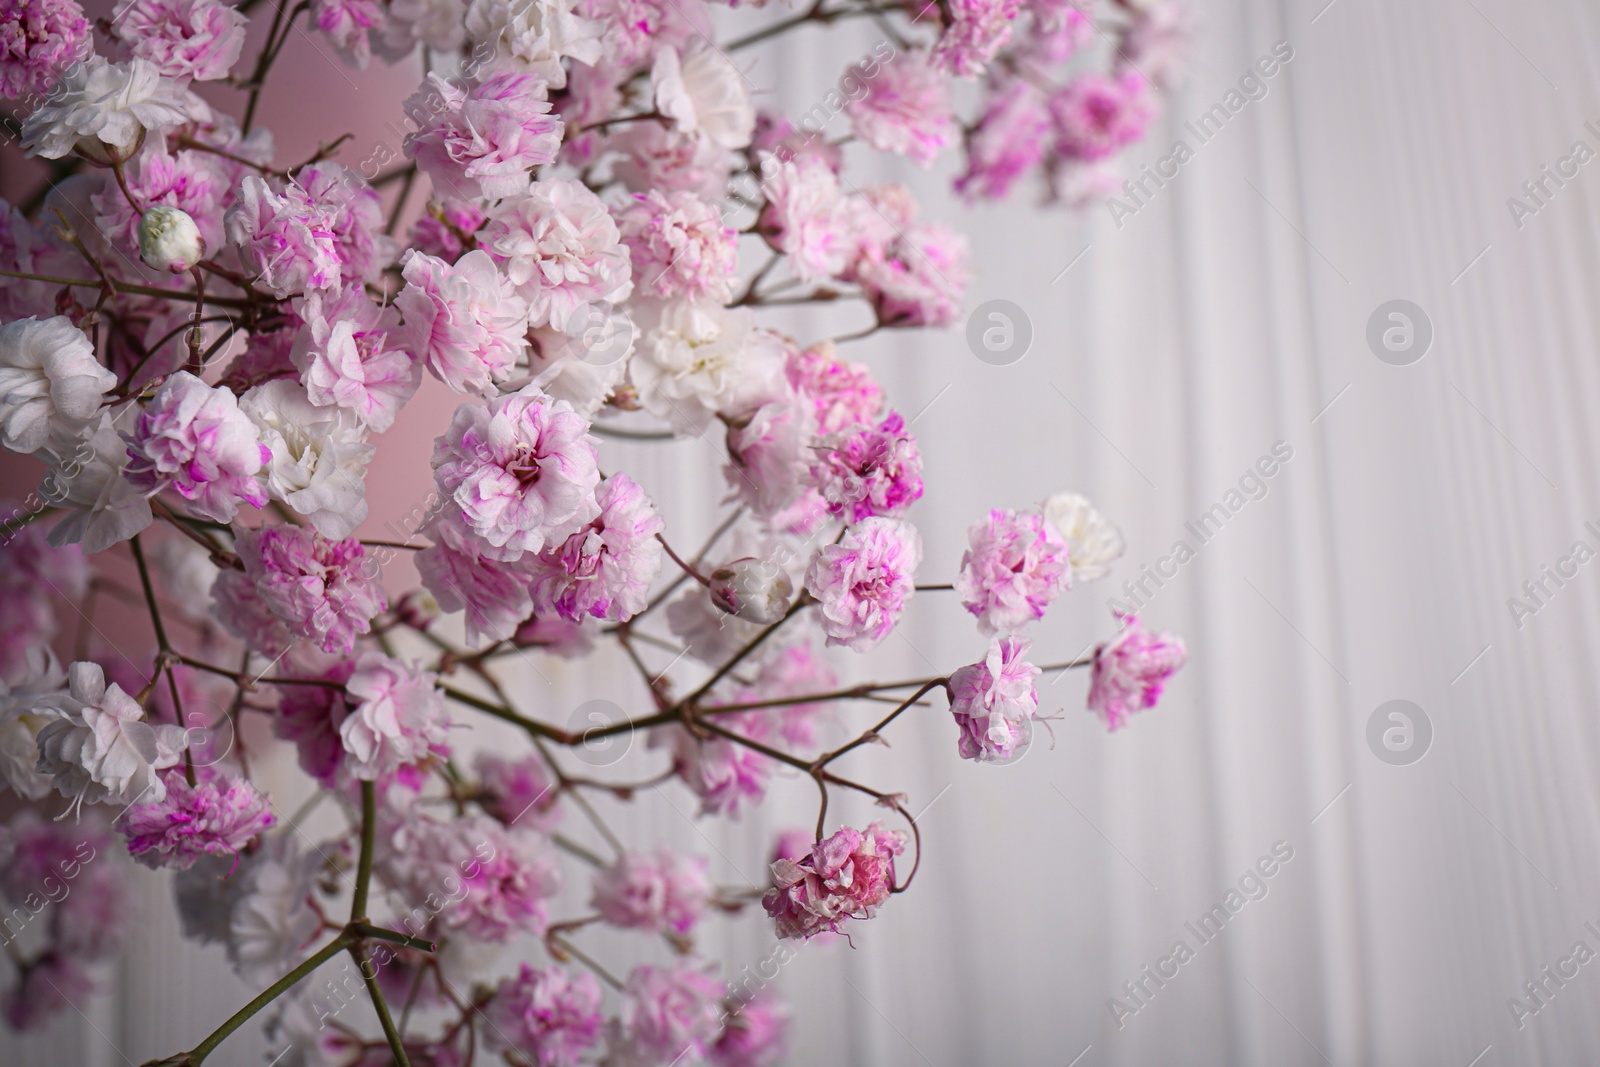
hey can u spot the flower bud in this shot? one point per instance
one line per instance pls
(756, 590)
(170, 240)
(417, 609)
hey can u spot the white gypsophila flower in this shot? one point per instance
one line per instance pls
(704, 95)
(40, 676)
(187, 573)
(271, 924)
(85, 482)
(170, 240)
(96, 746)
(697, 359)
(49, 380)
(756, 590)
(583, 369)
(319, 456)
(435, 23)
(531, 36)
(105, 109)
(1094, 542)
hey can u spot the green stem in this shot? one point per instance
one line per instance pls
(369, 838)
(369, 975)
(195, 1056)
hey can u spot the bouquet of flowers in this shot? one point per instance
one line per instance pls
(202, 342)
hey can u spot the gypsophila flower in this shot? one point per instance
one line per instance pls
(669, 1012)
(105, 110)
(1130, 670)
(495, 594)
(271, 923)
(755, 1032)
(36, 674)
(501, 878)
(605, 569)
(863, 582)
(349, 356)
(217, 816)
(1095, 115)
(561, 249)
(1094, 543)
(848, 876)
(521, 472)
(518, 792)
(867, 470)
(37, 42)
(1016, 565)
(283, 238)
(657, 892)
(464, 320)
(704, 94)
(322, 590)
(197, 440)
(905, 110)
(479, 139)
(994, 702)
(96, 746)
(680, 246)
(803, 216)
(316, 458)
(169, 240)
(398, 717)
(50, 381)
(532, 36)
(697, 360)
(199, 39)
(549, 1014)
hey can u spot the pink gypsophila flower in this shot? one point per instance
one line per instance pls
(284, 240)
(974, 31)
(349, 26)
(768, 452)
(560, 247)
(522, 472)
(918, 279)
(398, 719)
(199, 39)
(1130, 670)
(446, 232)
(848, 876)
(464, 320)
(605, 569)
(326, 591)
(86, 923)
(548, 1014)
(865, 471)
(724, 774)
(864, 581)
(1009, 141)
(669, 1011)
(794, 671)
(217, 816)
(352, 212)
(479, 139)
(1096, 114)
(842, 392)
(48, 986)
(495, 595)
(190, 181)
(1016, 565)
(38, 40)
(348, 356)
(994, 702)
(498, 879)
(657, 892)
(310, 716)
(679, 245)
(754, 1034)
(906, 110)
(802, 217)
(514, 790)
(196, 440)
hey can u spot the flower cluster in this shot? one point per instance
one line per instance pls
(215, 353)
